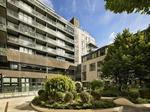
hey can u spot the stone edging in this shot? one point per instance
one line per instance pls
(40, 109)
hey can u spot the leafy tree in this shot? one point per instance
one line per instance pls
(127, 59)
(129, 6)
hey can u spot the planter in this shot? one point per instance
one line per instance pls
(41, 109)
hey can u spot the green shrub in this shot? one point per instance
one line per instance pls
(103, 104)
(110, 92)
(79, 86)
(59, 83)
(56, 97)
(85, 97)
(97, 84)
(96, 94)
(36, 101)
(40, 92)
(43, 96)
(68, 97)
(133, 94)
(142, 101)
(75, 95)
(145, 93)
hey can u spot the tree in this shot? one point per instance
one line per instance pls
(127, 59)
(129, 6)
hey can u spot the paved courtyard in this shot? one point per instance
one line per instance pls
(17, 104)
(21, 104)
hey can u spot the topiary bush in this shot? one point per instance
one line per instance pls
(85, 97)
(43, 96)
(75, 95)
(96, 94)
(59, 83)
(79, 86)
(97, 84)
(68, 97)
(40, 92)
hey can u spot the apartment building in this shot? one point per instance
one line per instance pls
(91, 64)
(84, 42)
(35, 42)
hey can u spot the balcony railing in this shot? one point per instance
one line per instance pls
(3, 3)
(70, 48)
(69, 55)
(12, 13)
(15, 2)
(2, 23)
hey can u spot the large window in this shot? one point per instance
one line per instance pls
(92, 67)
(84, 68)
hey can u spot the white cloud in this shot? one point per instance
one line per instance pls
(49, 3)
(111, 37)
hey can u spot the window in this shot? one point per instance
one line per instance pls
(13, 66)
(6, 80)
(84, 68)
(92, 67)
(14, 80)
(25, 17)
(84, 75)
(26, 50)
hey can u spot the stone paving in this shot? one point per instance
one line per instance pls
(17, 104)
(21, 104)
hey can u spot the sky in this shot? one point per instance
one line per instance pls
(102, 24)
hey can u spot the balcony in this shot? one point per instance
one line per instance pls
(16, 56)
(70, 48)
(69, 55)
(13, 26)
(40, 37)
(2, 24)
(14, 2)
(3, 3)
(12, 13)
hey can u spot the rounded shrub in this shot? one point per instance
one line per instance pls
(79, 86)
(85, 97)
(59, 83)
(97, 84)
(43, 96)
(96, 94)
(68, 97)
(133, 94)
(40, 92)
(36, 101)
(75, 95)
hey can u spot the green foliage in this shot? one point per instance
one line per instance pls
(142, 101)
(59, 84)
(79, 86)
(97, 85)
(75, 95)
(85, 97)
(110, 92)
(127, 59)
(68, 97)
(145, 93)
(133, 94)
(129, 6)
(42, 95)
(96, 94)
(36, 101)
(40, 92)
(103, 104)
(56, 97)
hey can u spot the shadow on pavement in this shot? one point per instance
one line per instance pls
(24, 106)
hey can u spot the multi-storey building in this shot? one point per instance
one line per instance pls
(35, 43)
(84, 42)
(91, 64)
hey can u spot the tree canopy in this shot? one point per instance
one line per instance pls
(128, 58)
(129, 6)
